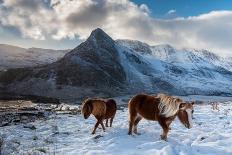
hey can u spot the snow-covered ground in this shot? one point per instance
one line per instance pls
(70, 134)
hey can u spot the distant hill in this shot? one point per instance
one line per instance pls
(17, 57)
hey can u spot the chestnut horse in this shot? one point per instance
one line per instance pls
(161, 108)
(101, 109)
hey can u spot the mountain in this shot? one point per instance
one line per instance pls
(17, 57)
(103, 67)
(189, 71)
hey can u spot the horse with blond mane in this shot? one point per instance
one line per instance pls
(161, 108)
(101, 109)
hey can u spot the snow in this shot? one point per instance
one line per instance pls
(189, 70)
(71, 134)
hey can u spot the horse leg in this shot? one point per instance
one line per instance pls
(132, 117)
(165, 129)
(168, 124)
(104, 129)
(131, 124)
(136, 123)
(106, 122)
(95, 127)
(111, 121)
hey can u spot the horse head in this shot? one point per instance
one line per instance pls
(86, 108)
(185, 114)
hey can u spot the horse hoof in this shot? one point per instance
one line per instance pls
(163, 138)
(93, 133)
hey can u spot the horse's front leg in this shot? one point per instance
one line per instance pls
(104, 129)
(165, 127)
(95, 127)
(169, 123)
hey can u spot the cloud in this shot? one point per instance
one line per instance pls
(171, 12)
(69, 19)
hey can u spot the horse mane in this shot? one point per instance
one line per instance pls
(168, 105)
(86, 103)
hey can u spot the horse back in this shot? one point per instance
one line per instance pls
(145, 105)
(99, 108)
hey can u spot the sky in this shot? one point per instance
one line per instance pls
(63, 24)
(184, 8)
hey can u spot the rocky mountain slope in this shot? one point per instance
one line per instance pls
(103, 67)
(17, 57)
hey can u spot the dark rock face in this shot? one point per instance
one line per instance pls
(94, 63)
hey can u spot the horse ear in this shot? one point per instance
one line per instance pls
(182, 105)
(86, 97)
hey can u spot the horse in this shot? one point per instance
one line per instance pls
(161, 108)
(101, 109)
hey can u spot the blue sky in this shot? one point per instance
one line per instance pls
(184, 8)
(62, 24)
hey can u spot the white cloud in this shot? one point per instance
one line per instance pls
(171, 11)
(60, 19)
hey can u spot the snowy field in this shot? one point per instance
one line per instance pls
(70, 134)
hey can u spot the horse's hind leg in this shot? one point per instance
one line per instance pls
(104, 129)
(131, 124)
(111, 121)
(136, 123)
(106, 122)
(130, 127)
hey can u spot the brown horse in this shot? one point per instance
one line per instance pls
(161, 108)
(101, 109)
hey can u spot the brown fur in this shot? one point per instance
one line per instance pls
(148, 107)
(101, 109)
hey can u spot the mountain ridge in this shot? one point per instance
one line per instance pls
(104, 67)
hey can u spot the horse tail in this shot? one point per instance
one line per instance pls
(132, 107)
(112, 102)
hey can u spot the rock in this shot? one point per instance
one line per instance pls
(35, 138)
(4, 124)
(16, 120)
(98, 136)
(30, 126)
(64, 108)
(24, 117)
(202, 138)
